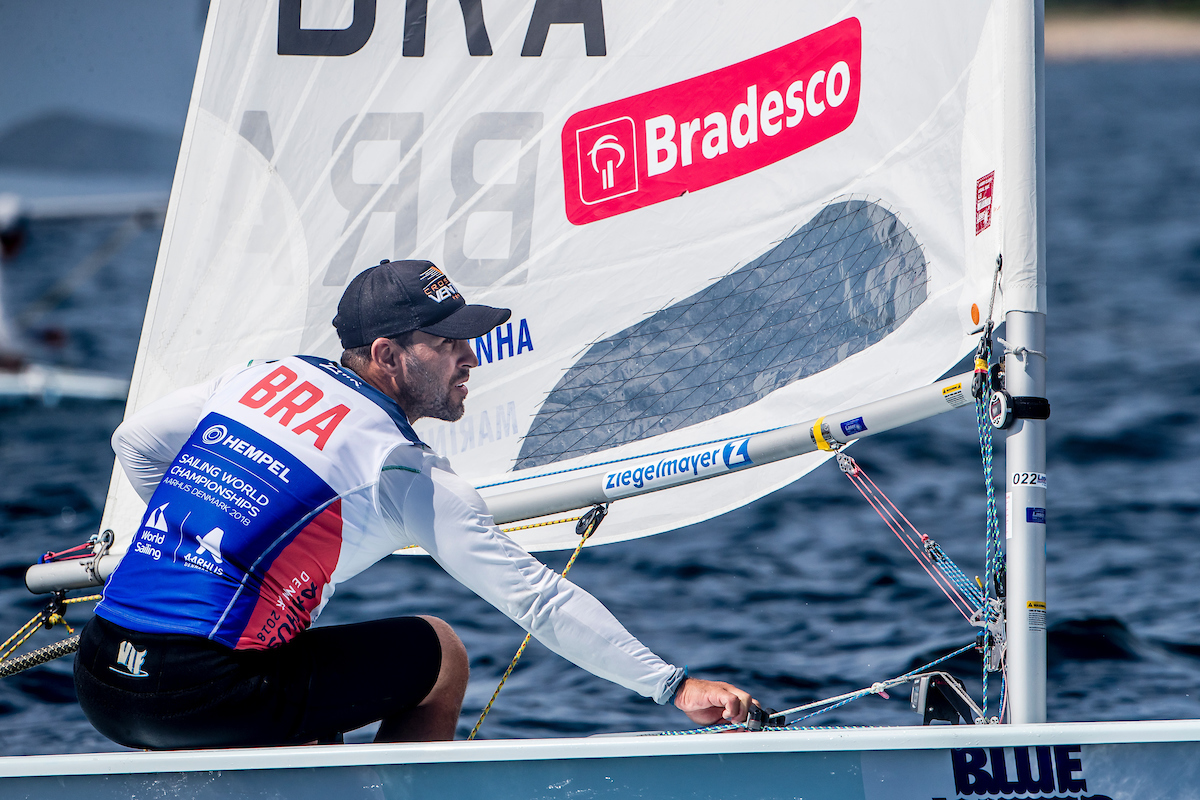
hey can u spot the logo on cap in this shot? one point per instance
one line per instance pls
(437, 286)
(607, 160)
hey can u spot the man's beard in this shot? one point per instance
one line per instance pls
(424, 396)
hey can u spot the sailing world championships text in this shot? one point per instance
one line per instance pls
(674, 469)
(712, 128)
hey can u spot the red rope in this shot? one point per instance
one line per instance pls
(876, 498)
(56, 556)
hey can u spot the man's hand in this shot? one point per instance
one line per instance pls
(706, 702)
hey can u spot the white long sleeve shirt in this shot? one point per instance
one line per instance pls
(272, 484)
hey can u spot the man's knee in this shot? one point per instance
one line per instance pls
(455, 664)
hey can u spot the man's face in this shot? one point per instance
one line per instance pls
(435, 377)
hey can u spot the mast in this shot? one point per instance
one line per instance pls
(1025, 364)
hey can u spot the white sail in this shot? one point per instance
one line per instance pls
(710, 219)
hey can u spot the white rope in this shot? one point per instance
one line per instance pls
(1021, 351)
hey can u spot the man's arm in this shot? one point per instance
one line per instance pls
(147, 442)
(444, 514)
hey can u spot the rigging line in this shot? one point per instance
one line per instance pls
(1003, 689)
(943, 582)
(36, 618)
(959, 603)
(1002, 703)
(585, 528)
(40, 656)
(992, 553)
(987, 652)
(869, 691)
(540, 524)
(990, 612)
(944, 564)
(48, 617)
(952, 570)
(1021, 351)
(838, 701)
(63, 554)
(875, 688)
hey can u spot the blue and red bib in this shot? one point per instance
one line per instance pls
(242, 540)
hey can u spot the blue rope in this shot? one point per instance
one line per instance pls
(985, 451)
(980, 597)
(866, 692)
(729, 726)
(955, 574)
(992, 555)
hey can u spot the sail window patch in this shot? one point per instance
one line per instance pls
(833, 287)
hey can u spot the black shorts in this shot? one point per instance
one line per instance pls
(169, 691)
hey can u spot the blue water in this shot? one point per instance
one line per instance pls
(804, 594)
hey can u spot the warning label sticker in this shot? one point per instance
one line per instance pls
(955, 396)
(1037, 615)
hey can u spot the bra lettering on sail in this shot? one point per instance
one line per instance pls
(705, 130)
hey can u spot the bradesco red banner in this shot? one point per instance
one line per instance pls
(644, 149)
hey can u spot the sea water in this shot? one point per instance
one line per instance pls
(804, 594)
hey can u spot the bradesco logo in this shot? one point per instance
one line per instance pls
(654, 146)
(608, 161)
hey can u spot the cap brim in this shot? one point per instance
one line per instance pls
(468, 322)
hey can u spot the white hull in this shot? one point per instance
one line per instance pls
(51, 384)
(1126, 760)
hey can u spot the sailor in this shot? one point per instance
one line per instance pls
(271, 485)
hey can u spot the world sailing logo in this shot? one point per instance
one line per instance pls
(711, 128)
(158, 519)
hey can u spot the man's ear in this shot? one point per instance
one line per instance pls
(388, 357)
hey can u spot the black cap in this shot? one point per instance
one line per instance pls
(401, 296)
